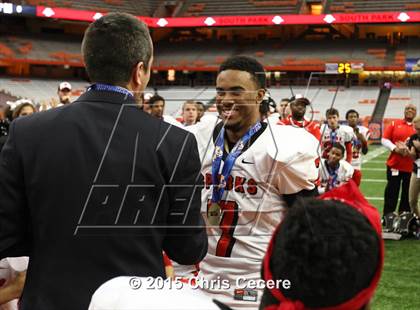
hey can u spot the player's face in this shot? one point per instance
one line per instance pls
(238, 99)
(332, 121)
(157, 109)
(298, 109)
(334, 156)
(190, 113)
(410, 112)
(283, 108)
(352, 119)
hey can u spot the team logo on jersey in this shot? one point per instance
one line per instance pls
(237, 184)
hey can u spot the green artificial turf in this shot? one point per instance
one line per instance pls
(399, 287)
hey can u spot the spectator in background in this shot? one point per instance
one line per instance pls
(359, 143)
(64, 93)
(25, 107)
(145, 106)
(157, 106)
(297, 117)
(200, 110)
(189, 113)
(283, 108)
(414, 148)
(399, 163)
(330, 250)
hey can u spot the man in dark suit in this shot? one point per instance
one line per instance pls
(98, 189)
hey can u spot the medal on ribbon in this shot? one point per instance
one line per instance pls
(214, 212)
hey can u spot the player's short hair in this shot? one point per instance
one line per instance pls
(328, 251)
(285, 99)
(248, 64)
(303, 100)
(351, 111)
(155, 98)
(331, 111)
(192, 102)
(113, 45)
(339, 146)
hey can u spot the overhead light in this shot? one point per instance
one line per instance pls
(162, 22)
(7, 8)
(209, 21)
(171, 75)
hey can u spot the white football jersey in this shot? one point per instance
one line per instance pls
(9, 267)
(344, 134)
(356, 161)
(344, 174)
(280, 161)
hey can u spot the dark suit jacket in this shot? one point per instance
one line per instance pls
(94, 190)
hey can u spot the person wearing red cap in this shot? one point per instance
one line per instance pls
(331, 251)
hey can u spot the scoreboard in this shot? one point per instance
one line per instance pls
(344, 68)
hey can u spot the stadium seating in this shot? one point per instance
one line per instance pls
(399, 98)
(210, 53)
(46, 48)
(239, 7)
(346, 6)
(35, 89)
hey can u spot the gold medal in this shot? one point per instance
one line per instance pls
(213, 215)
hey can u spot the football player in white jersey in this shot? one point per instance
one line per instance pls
(359, 143)
(334, 170)
(333, 132)
(252, 171)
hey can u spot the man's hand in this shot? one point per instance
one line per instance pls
(401, 149)
(14, 289)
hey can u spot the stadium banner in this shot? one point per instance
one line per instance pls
(331, 68)
(375, 129)
(242, 20)
(412, 65)
(357, 67)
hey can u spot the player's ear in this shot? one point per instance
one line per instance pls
(260, 95)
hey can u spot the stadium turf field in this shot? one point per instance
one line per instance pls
(399, 287)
